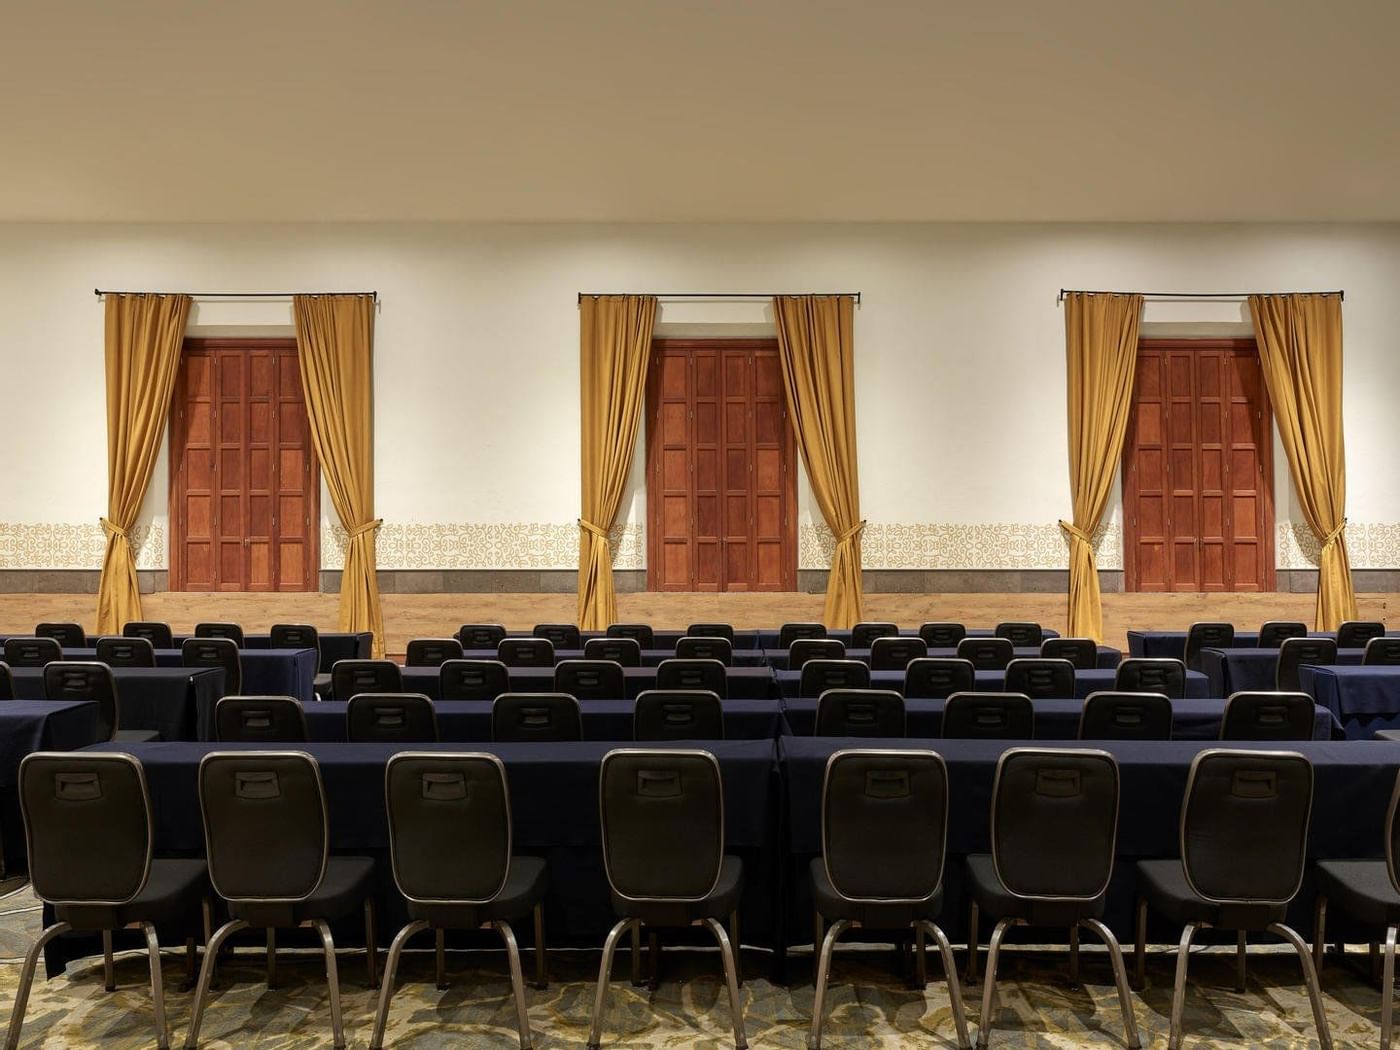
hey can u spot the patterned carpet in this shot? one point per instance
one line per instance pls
(868, 1002)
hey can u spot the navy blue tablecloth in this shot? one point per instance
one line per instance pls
(650, 657)
(177, 702)
(745, 683)
(335, 645)
(768, 636)
(1085, 682)
(1173, 643)
(1364, 699)
(266, 672)
(27, 726)
(1108, 658)
(1252, 670)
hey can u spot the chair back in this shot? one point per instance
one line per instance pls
(988, 716)
(158, 634)
(266, 830)
(215, 652)
(480, 635)
(473, 680)
(7, 682)
(820, 675)
(804, 649)
(987, 654)
(220, 630)
(1293, 653)
(860, 712)
(1392, 837)
(1382, 652)
(88, 825)
(1125, 716)
(126, 652)
(1022, 633)
(678, 714)
(1055, 822)
(349, 677)
(1273, 632)
(1268, 716)
(1040, 678)
(449, 826)
(1148, 674)
(705, 647)
(31, 652)
(895, 654)
(938, 677)
(560, 635)
(72, 635)
(259, 720)
(535, 717)
(295, 636)
(791, 632)
(1352, 634)
(640, 633)
(590, 679)
(86, 680)
(1244, 825)
(1206, 635)
(663, 823)
(863, 634)
(885, 824)
(710, 675)
(525, 652)
(711, 630)
(625, 652)
(943, 635)
(432, 652)
(1083, 653)
(391, 718)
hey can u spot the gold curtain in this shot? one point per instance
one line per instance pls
(335, 352)
(144, 334)
(817, 349)
(1101, 339)
(1300, 349)
(614, 350)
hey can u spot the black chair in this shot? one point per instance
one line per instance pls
(1382, 652)
(303, 636)
(938, 677)
(1040, 678)
(473, 680)
(942, 635)
(390, 718)
(663, 851)
(860, 712)
(709, 675)
(220, 630)
(1020, 633)
(1147, 674)
(711, 630)
(1206, 635)
(820, 675)
(1054, 834)
(215, 652)
(791, 632)
(432, 652)
(678, 714)
(31, 652)
(525, 652)
(987, 654)
(1083, 653)
(259, 720)
(1244, 836)
(72, 635)
(1352, 634)
(1272, 633)
(267, 837)
(535, 717)
(702, 647)
(7, 682)
(1125, 716)
(1368, 893)
(804, 649)
(625, 652)
(896, 654)
(450, 842)
(90, 831)
(988, 716)
(1294, 653)
(125, 652)
(863, 635)
(158, 634)
(1268, 716)
(590, 679)
(89, 680)
(641, 633)
(480, 635)
(349, 677)
(560, 635)
(884, 842)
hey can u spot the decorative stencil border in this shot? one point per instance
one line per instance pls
(1371, 545)
(950, 545)
(57, 545)
(484, 545)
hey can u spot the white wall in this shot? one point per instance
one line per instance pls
(960, 367)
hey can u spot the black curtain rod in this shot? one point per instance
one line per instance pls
(717, 295)
(100, 292)
(1189, 295)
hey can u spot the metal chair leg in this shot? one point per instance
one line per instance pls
(970, 977)
(191, 964)
(517, 982)
(541, 966)
(1120, 977)
(1183, 952)
(206, 977)
(731, 975)
(271, 958)
(1388, 988)
(1140, 945)
(1324, 1034)
(950, 972)
(26, 980)
(814, 1041)
(109, 976)
(653, 960)
(440, 959)
(984, 1026)
(600, 999)
(1074, 956)
(920, 957)
(1319, 932)
(637, 981)
(157, 985)
(738, 947)
(1241, 947)
(333, 980)
(386, 986)
(371, 944)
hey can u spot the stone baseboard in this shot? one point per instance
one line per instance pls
(73, 581)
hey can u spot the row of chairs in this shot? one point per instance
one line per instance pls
(1352, 634)
(123, 652)
(73, 636)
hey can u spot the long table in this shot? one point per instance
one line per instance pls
(1108, 657)
(650, 657)
(1085, 682)
(1235, 670)
(177, 702)
(1363, 699)
(1173, 643)
(27, 726)
(745, 683)
(335, 645)
(266, 672)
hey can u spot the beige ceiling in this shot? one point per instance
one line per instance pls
(687, 110)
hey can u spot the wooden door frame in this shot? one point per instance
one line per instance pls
(653, 461)
(175, 432)
(1266, 453)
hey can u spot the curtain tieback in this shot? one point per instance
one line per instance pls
(360, 530)
(851, 533)
(113, 530)
(588, 526)
(1076, 531)
(1333, 536)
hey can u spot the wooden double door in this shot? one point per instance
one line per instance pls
(1198, 509)
(721, 484)
(244, 487)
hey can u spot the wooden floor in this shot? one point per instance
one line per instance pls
(409, 616)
